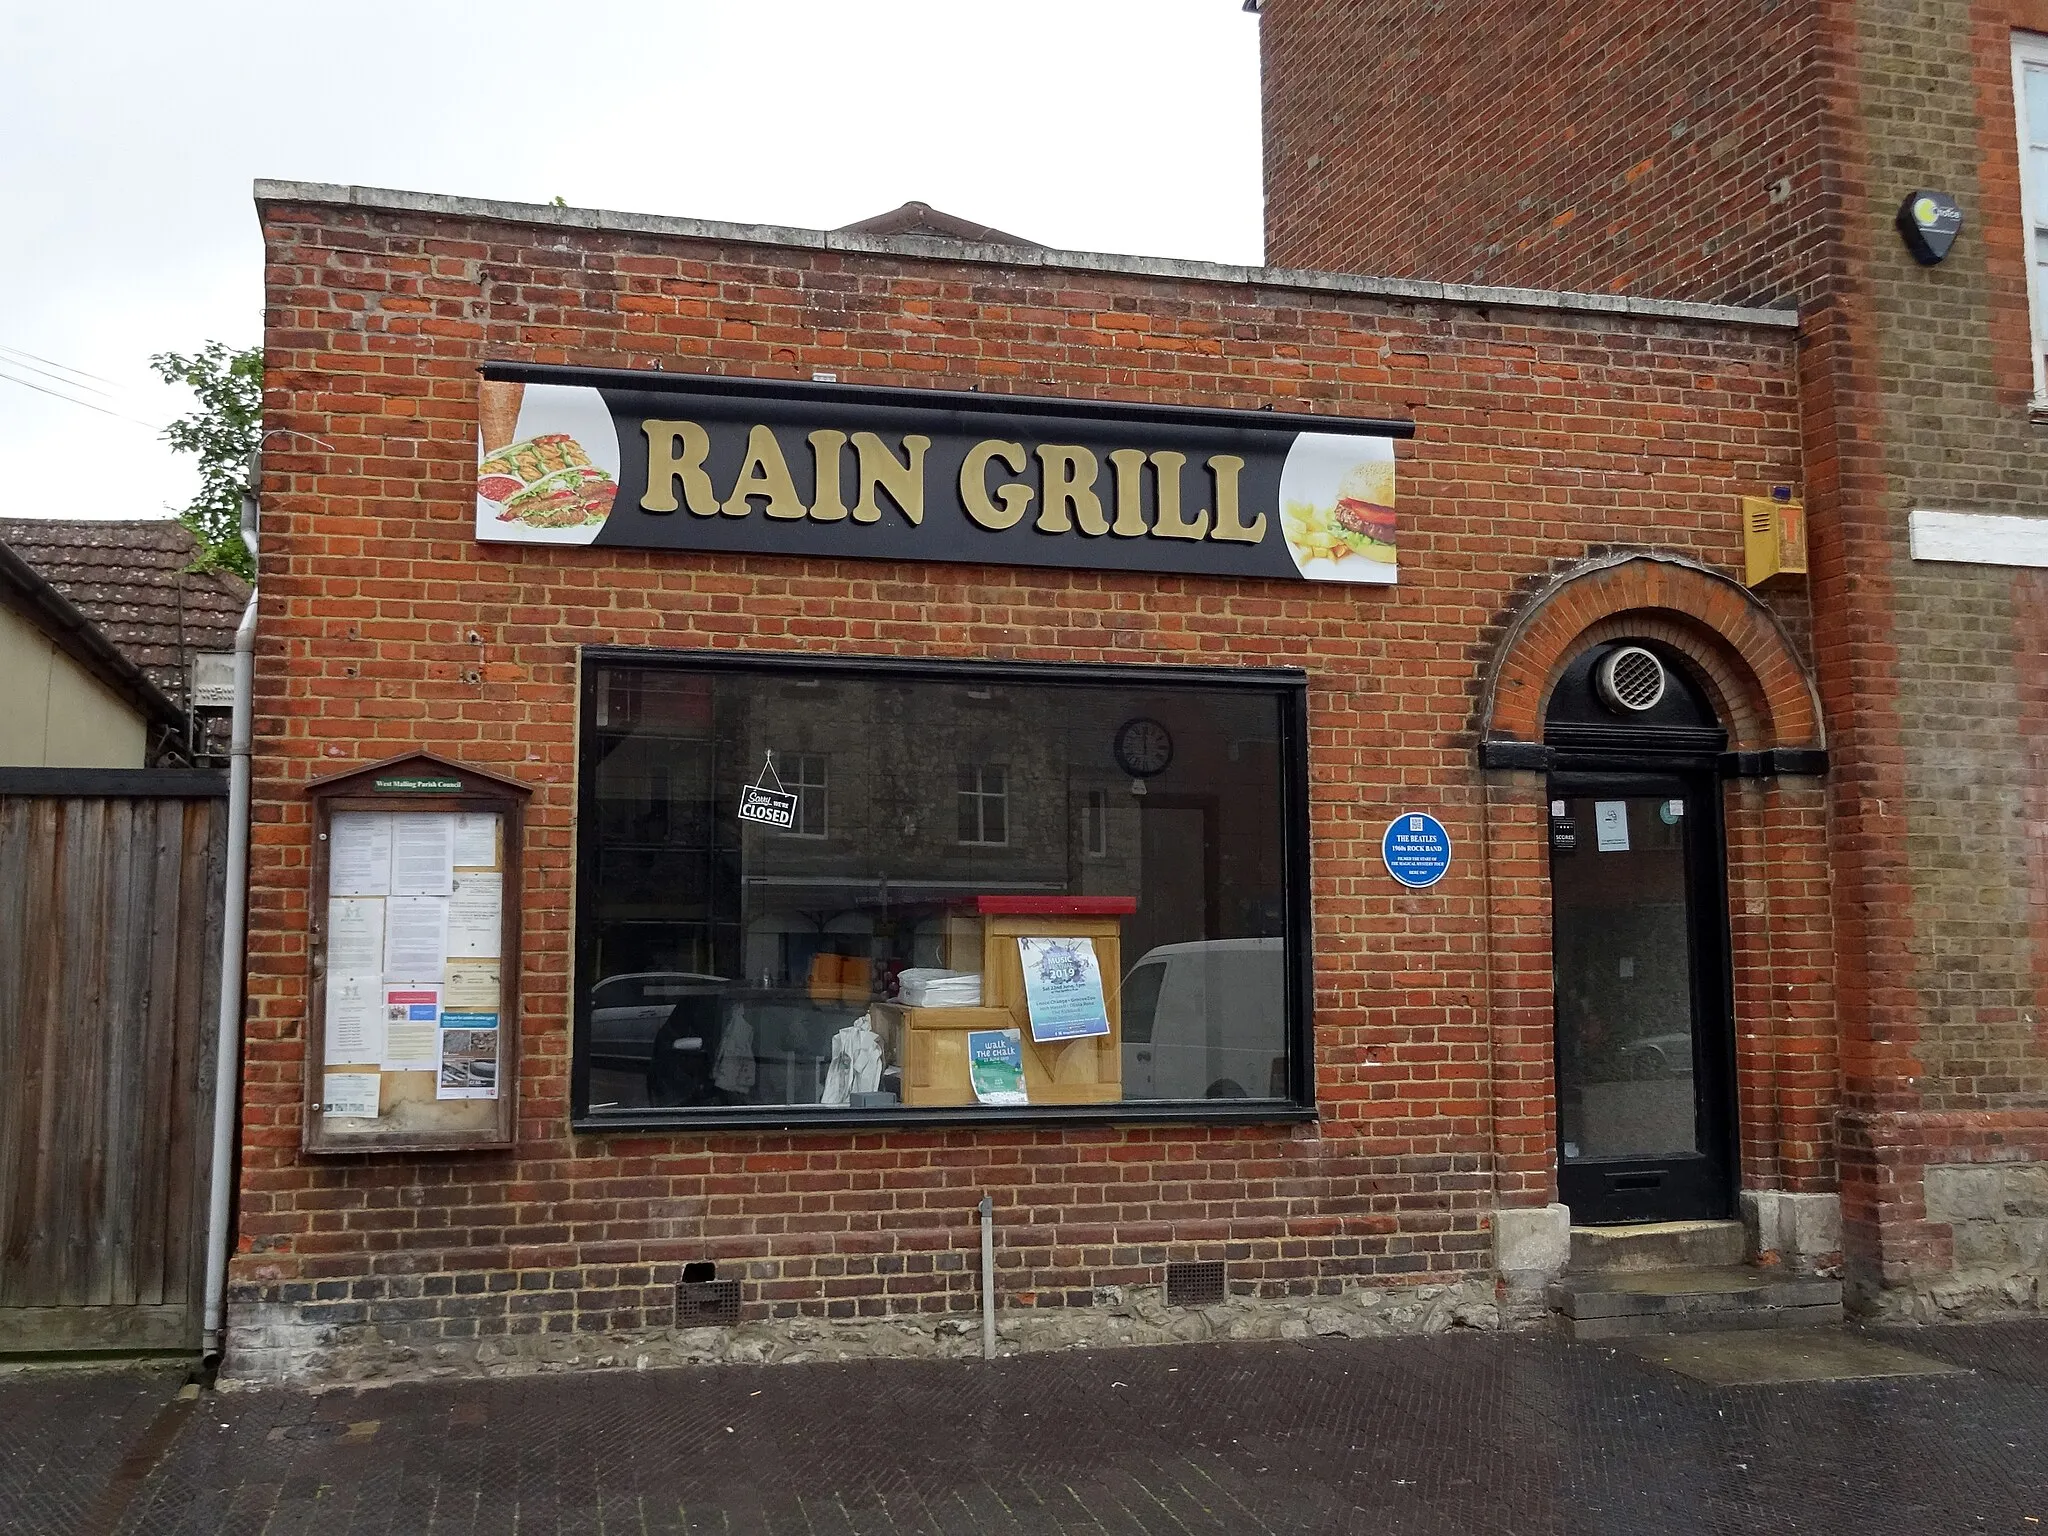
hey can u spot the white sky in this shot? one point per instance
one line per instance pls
(130, 134)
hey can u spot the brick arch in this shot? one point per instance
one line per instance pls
(1736, 648)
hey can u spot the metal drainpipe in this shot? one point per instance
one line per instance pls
(988, 1278)
(228, 1047)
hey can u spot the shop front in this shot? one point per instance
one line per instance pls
(767, 739)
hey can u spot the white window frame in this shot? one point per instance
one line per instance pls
(981, 795)
(2030, 51)
(1095, 824)
(794, 772)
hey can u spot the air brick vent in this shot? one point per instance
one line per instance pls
(707, 1303)
(1195, 1285)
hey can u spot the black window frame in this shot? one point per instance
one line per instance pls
(1287, 685)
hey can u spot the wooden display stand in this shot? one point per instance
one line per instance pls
(931, 1043)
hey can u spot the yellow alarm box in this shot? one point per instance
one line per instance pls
(1773, 539)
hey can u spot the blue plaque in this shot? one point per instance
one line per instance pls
(1417, 849)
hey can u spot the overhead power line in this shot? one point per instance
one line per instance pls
(68, 400)
(52, 362)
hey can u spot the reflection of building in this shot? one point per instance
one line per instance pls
(911, 798)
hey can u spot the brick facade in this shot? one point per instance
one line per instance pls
(1545, 436)
(1759, 152)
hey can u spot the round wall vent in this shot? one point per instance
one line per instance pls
(1630, 680)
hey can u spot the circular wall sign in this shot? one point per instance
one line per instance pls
(1417, 849)
(1143, 747)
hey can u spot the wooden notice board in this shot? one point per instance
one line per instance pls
(412, 1001)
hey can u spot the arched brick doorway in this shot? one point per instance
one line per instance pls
(1733, 652)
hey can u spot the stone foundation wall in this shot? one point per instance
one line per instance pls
(277, 1341)
(1997, 1219)
(1958, 1227)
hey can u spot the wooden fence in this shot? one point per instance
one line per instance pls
(110, 927)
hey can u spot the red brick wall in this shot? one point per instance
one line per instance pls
(1628, 147)
(1540, 438)
(1635, 148)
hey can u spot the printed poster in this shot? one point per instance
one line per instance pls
(995, 1066)
(1062, 988)
(469, 1056)
(355, 937)
(415, 938)
(476, 914)
(422, 853)
(349, 1095)
(359, 854)
(412, 1019)
(471, 985)
(355, 1018)
(476, 840)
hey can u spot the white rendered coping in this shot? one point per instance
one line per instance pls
(1979, 538)
(385, 200)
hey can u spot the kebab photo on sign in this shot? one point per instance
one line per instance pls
(547, 467)
(1337, 507)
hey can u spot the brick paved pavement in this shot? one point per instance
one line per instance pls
(1457, 1433)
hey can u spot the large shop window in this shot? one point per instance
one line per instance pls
(980, 892)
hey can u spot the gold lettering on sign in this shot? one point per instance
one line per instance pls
(1016, 499)
(1130, 493)
(827, 506)
(1169, 524)
(903, 480)
(676, 451)
(1069, 481)
(1226, 468)
(764, 472)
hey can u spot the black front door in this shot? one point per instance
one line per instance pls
(1645, 1051)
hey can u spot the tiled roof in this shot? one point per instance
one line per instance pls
(132, 579)
(923, 219)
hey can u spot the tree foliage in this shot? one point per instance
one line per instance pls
(223, 432)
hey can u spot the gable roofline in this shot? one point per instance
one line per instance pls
(24, 590)
(270, 193)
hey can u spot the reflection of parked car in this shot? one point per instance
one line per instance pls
(626, 1011)
(1658, 1056)
(1207, 1020)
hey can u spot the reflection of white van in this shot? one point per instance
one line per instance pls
(1207, 1020)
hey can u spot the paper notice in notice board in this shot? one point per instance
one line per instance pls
(359, 854)
(469, 1056)
(355, 935)
(471, 985)
(415, 938)
(995, 1066)
(476, 914)
(1062, 988)
(349, 1095)
(422, 853)
(355, 1019)
(412, 1020)
(476, 840)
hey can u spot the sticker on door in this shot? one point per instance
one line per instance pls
(1610, 825)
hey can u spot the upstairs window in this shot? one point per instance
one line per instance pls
(984, 805)
(2030, 106)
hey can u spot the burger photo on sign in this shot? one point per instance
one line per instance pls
(547, 463)
(1337, 507)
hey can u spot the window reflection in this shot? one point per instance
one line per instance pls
(727, 964)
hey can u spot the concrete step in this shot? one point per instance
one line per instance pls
(1657, 1245)
(1632, 1303)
